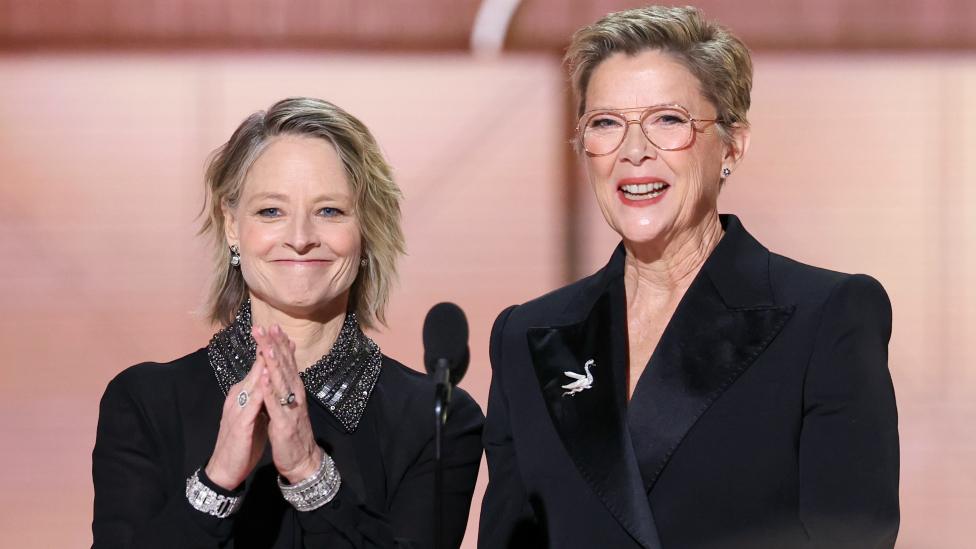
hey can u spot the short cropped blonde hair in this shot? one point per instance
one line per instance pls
(376, 200)
(716, 57)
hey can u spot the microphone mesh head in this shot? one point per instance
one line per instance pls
(446, 337)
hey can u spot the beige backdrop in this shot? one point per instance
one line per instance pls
(857, 163)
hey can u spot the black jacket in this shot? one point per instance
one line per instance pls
(158, 423)
(765, 417)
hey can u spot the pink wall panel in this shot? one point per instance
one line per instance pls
(94, 274)
(857, 163)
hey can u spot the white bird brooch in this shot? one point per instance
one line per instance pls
(581, 381)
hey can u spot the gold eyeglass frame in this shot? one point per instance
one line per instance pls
(645, 112)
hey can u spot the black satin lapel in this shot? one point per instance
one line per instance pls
(590, 422)
(704, 349)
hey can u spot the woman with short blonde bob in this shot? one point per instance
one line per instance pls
(291, 428)
(698, 391)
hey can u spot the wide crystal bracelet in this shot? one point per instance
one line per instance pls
(316, 490)
(206, 500)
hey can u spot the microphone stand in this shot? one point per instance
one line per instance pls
(442, 400)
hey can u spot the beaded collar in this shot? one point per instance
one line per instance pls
(342, 380)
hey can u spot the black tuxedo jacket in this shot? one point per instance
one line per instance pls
(765, 417)
(158, 423)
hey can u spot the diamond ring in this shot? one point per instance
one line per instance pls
(242, 398)
(286, 400)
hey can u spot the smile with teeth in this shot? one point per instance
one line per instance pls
(643, 191)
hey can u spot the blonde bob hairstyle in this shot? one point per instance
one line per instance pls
(716, 57)
(376, 200)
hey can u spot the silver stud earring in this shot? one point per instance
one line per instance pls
(363, 262)
(235, 256)
(726, 172)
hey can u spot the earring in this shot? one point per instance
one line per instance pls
(726, 172)
(235, 256)
(363, 262)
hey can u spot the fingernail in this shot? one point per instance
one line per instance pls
(261, 330)
(271, 353)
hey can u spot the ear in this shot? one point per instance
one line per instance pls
(736, 149)
(230, 223)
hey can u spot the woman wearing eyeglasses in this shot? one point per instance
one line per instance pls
(699, 390)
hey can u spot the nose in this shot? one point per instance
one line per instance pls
(635, 147)
(301, 235)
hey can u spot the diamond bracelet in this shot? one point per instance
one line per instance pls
(316, 490)
(206, 500)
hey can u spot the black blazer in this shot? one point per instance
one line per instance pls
(158, 423)
(765, 417)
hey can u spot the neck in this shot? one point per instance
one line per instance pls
(663, 269)
(313, 334)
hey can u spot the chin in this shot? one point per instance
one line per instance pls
(642, 230)
(300, 304)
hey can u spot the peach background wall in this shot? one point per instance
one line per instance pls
(858, 163)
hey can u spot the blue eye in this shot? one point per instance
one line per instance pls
(605, 122)
(269, 212)
(667, 119)
(330, 212)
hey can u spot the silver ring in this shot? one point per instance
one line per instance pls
(242, 399)
(286, 400)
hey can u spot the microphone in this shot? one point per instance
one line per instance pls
(446, 358)
(446, 353)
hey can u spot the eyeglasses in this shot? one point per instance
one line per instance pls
(667, 127)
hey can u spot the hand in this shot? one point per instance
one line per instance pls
(243, 431)
(295, 453)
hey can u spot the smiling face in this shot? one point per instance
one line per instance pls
(650, 196)
(296, 228)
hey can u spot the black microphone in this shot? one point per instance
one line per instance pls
(446, 353)
(446, 358)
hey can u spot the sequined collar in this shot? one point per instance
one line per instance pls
(342, 380)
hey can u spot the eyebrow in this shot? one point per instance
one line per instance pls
(272, 196)
(284, 198)
(645, 107)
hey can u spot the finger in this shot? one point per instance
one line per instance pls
(261, 337)
(280, 388)
(250, 379)
(276, 360)
(285, 349)
(284, 420)
(276, 413)
(285, 378)
(265, 338)
(249, 397)
(254, 374)
(245, 390)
